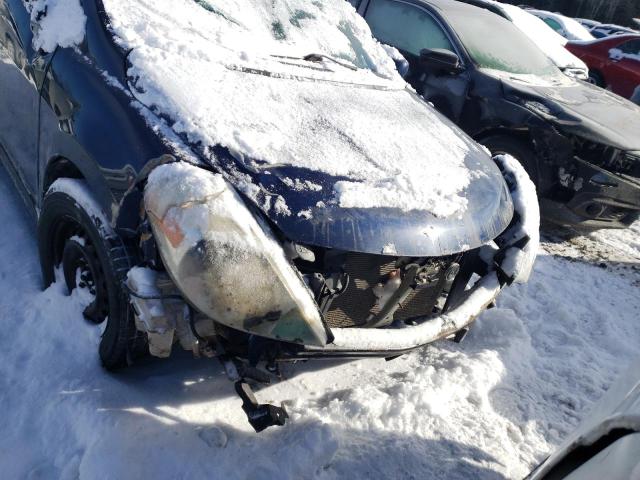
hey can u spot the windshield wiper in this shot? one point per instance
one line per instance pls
(318, 58)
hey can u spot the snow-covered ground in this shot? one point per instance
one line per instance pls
(491, 407)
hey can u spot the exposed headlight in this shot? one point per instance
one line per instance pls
(225, 261)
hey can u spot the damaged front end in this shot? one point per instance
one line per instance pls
(597, 186)
(587, 141)
(230, 285)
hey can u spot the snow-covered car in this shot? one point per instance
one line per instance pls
(567, 27)
(579, 143)
(607, 442)
(587, 23)
(541, 34)
(610, 29)
(257, 184)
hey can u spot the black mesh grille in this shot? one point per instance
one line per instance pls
(358, 302)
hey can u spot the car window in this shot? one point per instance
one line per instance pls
(632, 47)
(355, 3)
(553, 24)
(408, 28)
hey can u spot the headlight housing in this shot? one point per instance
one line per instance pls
(226, 261)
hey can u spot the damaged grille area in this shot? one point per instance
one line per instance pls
(382, 289)
(610, 158)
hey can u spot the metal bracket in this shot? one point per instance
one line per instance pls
(260, 416)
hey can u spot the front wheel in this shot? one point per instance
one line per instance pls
(73, 234)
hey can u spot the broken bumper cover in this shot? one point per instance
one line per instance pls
(605, 200)
(509, 260)
(230, 266)
(356, 342)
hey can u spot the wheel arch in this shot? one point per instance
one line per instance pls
(60, 166)
(521, 134)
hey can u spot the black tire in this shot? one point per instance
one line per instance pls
(518, 149)
(596, 78)
(62, 217)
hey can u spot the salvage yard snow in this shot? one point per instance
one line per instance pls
(491, 407)
(226, 73)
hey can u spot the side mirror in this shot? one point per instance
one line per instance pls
(440, 59)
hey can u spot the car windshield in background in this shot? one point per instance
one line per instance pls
(493, 42)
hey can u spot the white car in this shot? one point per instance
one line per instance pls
(565, 26)
(606, 445)
(542, 35)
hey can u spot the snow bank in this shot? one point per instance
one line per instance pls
(230, 73)
(61, 23)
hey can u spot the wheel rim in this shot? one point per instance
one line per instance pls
(81, 268)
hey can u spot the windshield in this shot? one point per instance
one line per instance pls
(496, 43)
(323, 40)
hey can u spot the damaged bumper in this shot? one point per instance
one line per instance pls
(358, 342)
(602, 199)
(510, 259)
(230, 266)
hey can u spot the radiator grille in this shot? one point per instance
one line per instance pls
(358, 302)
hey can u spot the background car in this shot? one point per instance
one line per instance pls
(614, 62)
(578, 142)
(587, 23)
(541, 34)
(608, 30)
(565, 26)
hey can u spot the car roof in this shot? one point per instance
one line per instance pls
(490, 5)
(453, 6)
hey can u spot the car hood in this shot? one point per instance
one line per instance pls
(333, 147)
(583, 110)
(301, 203)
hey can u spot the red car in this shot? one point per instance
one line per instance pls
(614, 62)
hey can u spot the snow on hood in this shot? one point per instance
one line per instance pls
(216, 71)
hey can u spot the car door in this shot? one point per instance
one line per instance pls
(623, 70)
(21, 72)
(411, 29)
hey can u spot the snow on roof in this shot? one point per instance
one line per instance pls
(230, 73)
(60, 23)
